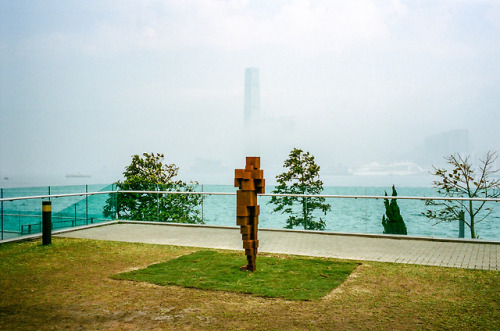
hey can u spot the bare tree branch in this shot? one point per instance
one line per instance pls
(463, 181)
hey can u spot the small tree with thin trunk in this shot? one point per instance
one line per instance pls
(301, 177)
(463, 180)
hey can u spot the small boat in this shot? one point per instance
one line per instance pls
(77, 175)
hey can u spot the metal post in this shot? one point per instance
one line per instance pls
(202, 198)
(86, 205)
(47, 222)
(1, 197)
(157, 203)
(461, 224)
(366, 212)
(116, 199)
(303, 209)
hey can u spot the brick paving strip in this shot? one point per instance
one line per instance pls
(461, 253)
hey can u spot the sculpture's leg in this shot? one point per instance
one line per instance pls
(251, 265)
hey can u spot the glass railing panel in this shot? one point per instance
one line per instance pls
(348, 215)
(149, 204)
(219, 209)
(81, 210)
(267, 219)
(21, 217)
(95, 204)
(61, 205)
(489, 228)
(486, 221)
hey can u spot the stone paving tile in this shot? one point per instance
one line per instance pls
(412, 251)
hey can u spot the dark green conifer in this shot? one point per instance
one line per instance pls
(392, 220)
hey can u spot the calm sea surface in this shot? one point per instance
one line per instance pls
(356, 215)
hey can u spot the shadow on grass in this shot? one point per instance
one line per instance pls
(292, 278)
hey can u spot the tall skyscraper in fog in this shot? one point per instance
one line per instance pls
(252, 115)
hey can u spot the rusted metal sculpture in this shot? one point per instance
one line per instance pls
(250, 182)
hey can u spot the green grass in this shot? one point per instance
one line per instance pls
(291, 278)
(70, 285)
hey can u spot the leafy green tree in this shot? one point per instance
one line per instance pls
(392, 220)
(463, 180)
(301, 177)
(148, 173)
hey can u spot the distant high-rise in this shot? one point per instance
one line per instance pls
(252, 115)
(252, 96)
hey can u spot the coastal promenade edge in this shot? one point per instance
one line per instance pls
(459, 253)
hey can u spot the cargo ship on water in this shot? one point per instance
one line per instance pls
(77, 175)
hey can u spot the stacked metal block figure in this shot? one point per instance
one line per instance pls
(250, 182)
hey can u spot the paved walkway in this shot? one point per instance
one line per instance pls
(448, 253)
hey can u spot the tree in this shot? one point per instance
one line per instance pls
(393, 223)
(148, 173)
(302, 177)
(463, 180)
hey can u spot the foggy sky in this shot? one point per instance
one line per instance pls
(86, 84)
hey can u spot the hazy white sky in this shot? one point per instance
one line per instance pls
(86, 84)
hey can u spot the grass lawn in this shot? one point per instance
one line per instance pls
(71, 284)
(293, 278)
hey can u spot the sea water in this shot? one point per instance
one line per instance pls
(356, 215)
(347, 215)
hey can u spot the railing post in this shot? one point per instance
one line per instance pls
(1, 197)
(461, 224)
(157, 203)
(86, 205)
(116, 199)
(47, 222)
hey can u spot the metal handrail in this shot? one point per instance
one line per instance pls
(176, 192)
(56, 195)
(379, 197)
(261, 194)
